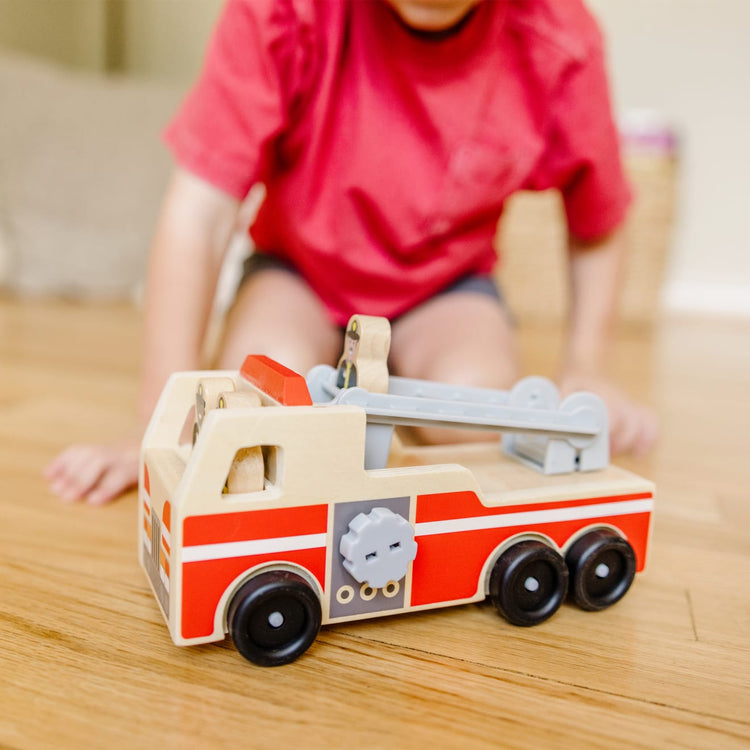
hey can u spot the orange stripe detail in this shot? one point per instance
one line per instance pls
(146, 480)
(445, 506)
(254, 524)
(468, 552)
(203, 584)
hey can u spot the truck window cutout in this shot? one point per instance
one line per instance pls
(253, 469)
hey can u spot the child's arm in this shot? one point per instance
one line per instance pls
(195, 224)
(192, 235)
(595, 270)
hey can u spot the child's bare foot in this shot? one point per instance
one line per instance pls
(96, 474)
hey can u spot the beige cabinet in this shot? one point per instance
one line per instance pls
(150, 38)
(73, 32)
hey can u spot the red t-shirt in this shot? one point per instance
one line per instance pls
(387, 155)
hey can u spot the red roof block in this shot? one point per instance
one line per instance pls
(280, 383)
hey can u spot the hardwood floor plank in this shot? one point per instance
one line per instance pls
(87, 660)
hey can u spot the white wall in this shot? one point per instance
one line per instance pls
(690, 61)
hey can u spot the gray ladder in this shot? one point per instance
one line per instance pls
(538, 429)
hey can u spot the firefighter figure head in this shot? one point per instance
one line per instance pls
(351, 341)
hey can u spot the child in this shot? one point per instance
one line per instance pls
(388, 134)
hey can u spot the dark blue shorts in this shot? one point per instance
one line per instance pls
(473, 282)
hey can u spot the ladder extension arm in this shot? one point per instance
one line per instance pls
(537, 429)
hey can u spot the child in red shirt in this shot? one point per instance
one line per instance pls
(388, 134)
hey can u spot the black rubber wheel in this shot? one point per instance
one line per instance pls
(528, 583)
(602, 567)
(274, 618)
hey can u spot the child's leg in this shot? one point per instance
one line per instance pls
(464, 338)
(278, 315)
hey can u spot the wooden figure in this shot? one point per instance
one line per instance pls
(364, 363)
(270, 525)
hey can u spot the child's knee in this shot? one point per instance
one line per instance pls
(496, 369)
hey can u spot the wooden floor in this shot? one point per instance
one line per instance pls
(86, 661)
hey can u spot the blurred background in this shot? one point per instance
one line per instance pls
(87, 85)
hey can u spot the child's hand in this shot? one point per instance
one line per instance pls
(94, 473)
(633, 428)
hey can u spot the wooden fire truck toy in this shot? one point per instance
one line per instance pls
(271, 504)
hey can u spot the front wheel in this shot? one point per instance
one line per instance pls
(528, 583)
(602, 567)
(274, 618)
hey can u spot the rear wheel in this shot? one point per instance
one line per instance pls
(602, 567)
(528, 583)
(274, 618)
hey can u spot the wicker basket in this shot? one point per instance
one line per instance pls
(532, 242)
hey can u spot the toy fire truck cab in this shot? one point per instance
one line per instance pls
(272, 522)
